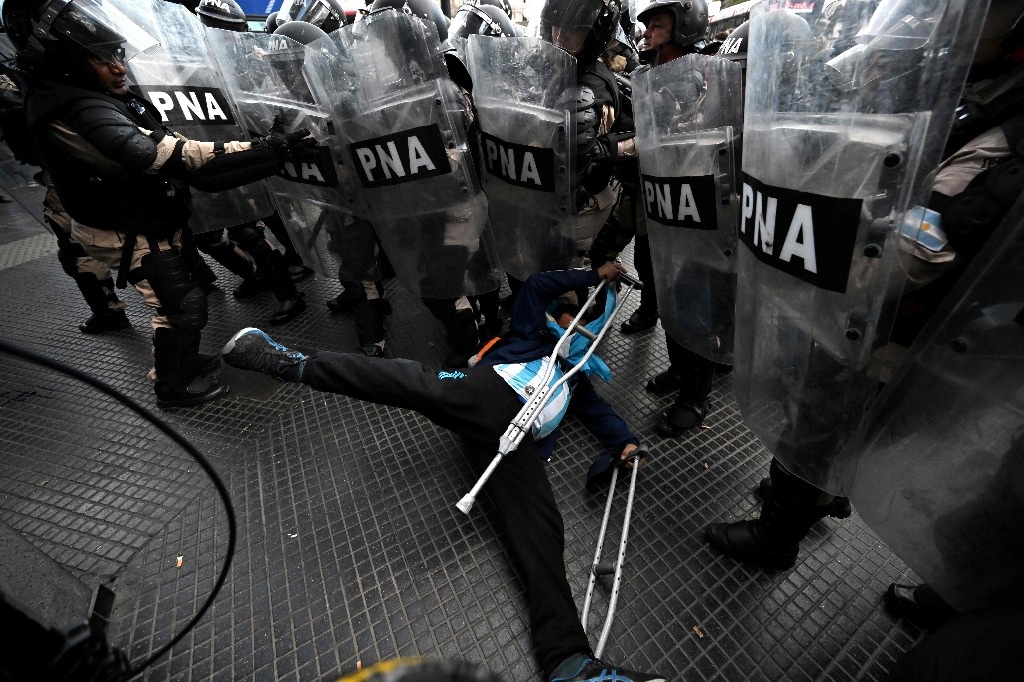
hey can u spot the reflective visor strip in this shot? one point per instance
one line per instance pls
(49, 15)
(484, 17)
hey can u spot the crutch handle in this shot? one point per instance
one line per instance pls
(631, 280)
(605, 568)
(582, 331)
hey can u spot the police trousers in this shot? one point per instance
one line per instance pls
(106, 246)
(478, 405)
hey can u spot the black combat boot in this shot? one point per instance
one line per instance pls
(838, 508)
(695, 375)
(98, 296)
(369, 313)
(177, 361)
(463, 337)
(290, 301)
(348, 298)
(490, 322)
(228, 255)
(773, 539)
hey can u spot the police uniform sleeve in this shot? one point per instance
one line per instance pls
(976, 186)
(208, 166)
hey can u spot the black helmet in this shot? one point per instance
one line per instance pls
(504, 5)
(583, 28)
(735, 46)
(691, 18)
(271, 22)
(477, 18)
(225, 14)
(327, 15)
(300, 31)
(54, 35)
(427, 10)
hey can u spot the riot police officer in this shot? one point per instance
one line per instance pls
(123, 177)
(245, 251)
(672, 28)
(477, 17)
(441, 239)
(827, 387)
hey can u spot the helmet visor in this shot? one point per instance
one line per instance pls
(315, 12)
(102, 30)
(566, 23)
(902, 24)
(286, 57)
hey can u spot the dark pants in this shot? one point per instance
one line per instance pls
(478, 406)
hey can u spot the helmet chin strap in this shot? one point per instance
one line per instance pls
(650, 56)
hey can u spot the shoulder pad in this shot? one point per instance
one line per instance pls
(585, 98)
(601, 80)
(109, 128)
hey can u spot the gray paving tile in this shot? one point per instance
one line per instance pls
(350, 550)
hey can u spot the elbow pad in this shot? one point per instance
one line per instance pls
(228, 171)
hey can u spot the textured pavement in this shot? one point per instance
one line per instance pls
(350, 549)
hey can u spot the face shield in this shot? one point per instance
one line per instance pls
(566, 23)
(101, 30)
(317, 12)
(287, 57)
(862, 65)
(902, 24)
(890, 46)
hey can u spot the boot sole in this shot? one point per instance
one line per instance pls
(105, 328)
(193, 400)
(292, 314)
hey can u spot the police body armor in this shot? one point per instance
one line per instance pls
(401, 128)
(314, 199)
(183, 82)
(689, 112)
(940, 473)
(525, 96)
(831, 176)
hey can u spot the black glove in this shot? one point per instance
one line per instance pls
(279, 125)
(296, 146)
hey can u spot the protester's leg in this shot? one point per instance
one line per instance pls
(535, 538)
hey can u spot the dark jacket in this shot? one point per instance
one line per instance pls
(529, 340)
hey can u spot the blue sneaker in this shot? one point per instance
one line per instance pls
(254, 350)
(594, 670)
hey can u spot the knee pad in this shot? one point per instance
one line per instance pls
(181, 299)
(193, 311)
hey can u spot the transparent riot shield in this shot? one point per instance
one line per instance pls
(401, 128)
(831, 171)
(688, 113)
(524, 90)
(183, 82)
(314, 199)
(939, 474)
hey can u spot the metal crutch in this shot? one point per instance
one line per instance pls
(598, 568)
(523, 421)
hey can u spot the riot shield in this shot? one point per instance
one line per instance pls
(688, 113)
(187, 88)
(830, 174)
(314, 199)
(401, 128)
(525, 95)
(940, 476)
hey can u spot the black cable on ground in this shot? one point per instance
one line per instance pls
(58, 366)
